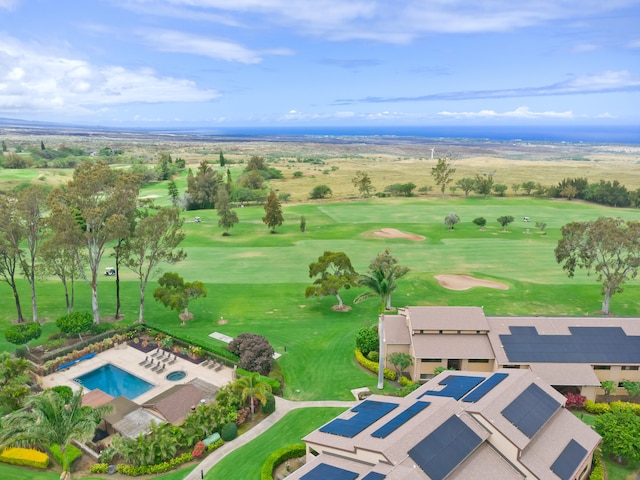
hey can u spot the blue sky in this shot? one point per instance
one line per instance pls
(155, 63)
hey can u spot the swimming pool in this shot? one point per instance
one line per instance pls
(114, 381)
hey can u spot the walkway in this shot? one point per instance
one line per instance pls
(282, 408)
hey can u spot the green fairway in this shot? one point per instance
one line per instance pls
(246, 462)
(256, 280)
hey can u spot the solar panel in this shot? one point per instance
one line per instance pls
(445, 448)
(400, 419)
(531, 410)
(456, 386)
(367, 413)
(374, 476)
(325, 472)
(485, 387)
(569, 460)
(603, 345)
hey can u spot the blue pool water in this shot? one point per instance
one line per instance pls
(114, 381)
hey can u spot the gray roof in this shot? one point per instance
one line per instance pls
(137, 422)
(122, 407)
(570, 374)
(447, 318)
(396, 331)
(175, 403)
(452, 346)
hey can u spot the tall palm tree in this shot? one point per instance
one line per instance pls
(48, 420)
(250, 387)
(380, 284)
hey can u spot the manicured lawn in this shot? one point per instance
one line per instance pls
(10, 472)
(256, 280)
(246, 462)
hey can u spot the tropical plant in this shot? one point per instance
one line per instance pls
(48, 419)
(252, 387)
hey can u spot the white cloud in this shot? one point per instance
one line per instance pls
(520, 112)
(35, 81)
(8, 4)
(342, 115)
(174, 41)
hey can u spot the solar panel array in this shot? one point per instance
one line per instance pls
(374, 476)
(605, 345)
(456, 386)
(400, 419)
(326, 472)
(530, 410)
(368, 412)
(445, 448)
(569, 460)
(485, 387)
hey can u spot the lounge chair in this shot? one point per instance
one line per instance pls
(156, 353)
(145, 361)
(150, 364)
(164, 365)
(157, 367)
(206, 362)
(174, 360)
(219, 367)
(164, 354)
(212, 364)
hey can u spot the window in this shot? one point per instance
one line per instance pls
(601, 367)
(630, 367)
(431, 360)
(510, 366)
(478, 360)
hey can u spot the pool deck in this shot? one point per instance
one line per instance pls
(128, 358)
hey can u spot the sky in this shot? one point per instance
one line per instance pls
(158, 63)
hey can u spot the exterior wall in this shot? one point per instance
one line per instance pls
(590, 392)
(470, 366)
(426, 368)
(617, 374)
(366, 456)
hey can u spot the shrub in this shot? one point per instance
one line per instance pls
(65, 392)
(373, 355)
(27, 457)
(575, 400)
(255, 352)
(373, 366)
(75, 323)
(273, 383)
(270, 405)
(404, 381)
(320, 191)
(229, 432)
(597, 470)
(367, 340)
(135, 471)
(23, 333)
(99, 468)
(215, 445)
(596, 408)
(198, 450)
(280, 455)
(73, 452)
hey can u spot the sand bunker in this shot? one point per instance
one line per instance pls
(393, 233)
(465, 282)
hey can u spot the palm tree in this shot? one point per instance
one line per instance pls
(380, 284)
(250, 387)
(48, 420)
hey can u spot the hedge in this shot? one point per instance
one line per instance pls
(404, 381)
(373, 366)
(282, 454)
(26, 457)
(600, 408)
(135, 471)
(597, 470)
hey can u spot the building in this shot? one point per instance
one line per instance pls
(504, 425)
(573, 354)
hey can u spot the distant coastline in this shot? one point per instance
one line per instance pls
(585, 134)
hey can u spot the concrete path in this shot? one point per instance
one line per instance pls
(282, 408)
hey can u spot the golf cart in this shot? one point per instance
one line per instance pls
(109, 272)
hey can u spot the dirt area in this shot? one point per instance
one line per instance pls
(465, 282)
(393, 233)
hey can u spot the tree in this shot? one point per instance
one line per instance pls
(380, 284)
(273, 212)
(228, 216)
(387, 262)
(480, 221)
(255, 352)
(483, 184)
(75, 323)
(42, 147)
(500, 189)
(252, 387)
(400, 361)
(620, 431)
(442, 173)
(319, 192)
(528, 187)
(362, 182)
(10, 250)
(203, 187)
(451, 219)
(95, 203)
(505, 220)
(30, 203)
(23, 333)
(515, 187)
(367, 340)
(48, 420)
(174, 194)
(303, 224)
(223, 162)
(610, 247)
(176, 294)
(632, 388)
(334, 272)
(154, 242)
(609, 386)
(466, 185)
(4, 146)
